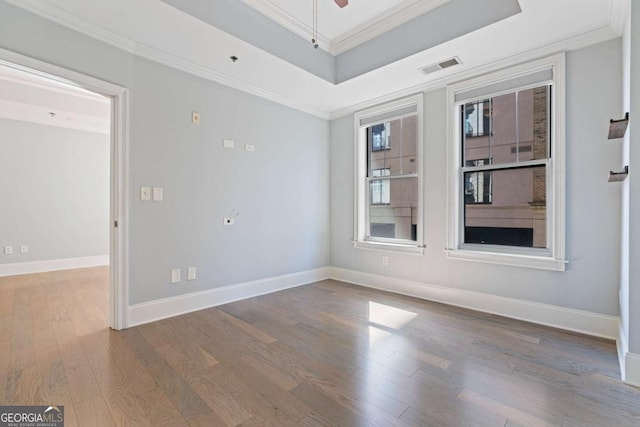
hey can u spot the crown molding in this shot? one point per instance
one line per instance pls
(599, 35)
(289, 22)
(195, 69)
(379, 24)
(69, 20)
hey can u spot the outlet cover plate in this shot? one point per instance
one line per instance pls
(145, 193)
(175, 275)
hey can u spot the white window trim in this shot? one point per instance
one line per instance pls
(361, 190)
(554, 257)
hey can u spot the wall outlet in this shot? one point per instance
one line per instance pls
(145, 193)
(8, 250)
(249, 147)
(228, 143)
(385, 260)
(24, 249)
(158, 194)
(175, 275)
(229, 221)
(191, 273)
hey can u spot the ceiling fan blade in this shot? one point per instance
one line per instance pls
(342, 3)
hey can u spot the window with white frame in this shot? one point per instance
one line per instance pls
(388, 183)
(380, 188)
(506, 161)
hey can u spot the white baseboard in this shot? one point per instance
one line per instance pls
(585, 322)
(629, 362)
(174, 306)
(631, 372)
(52, 265)
(622, 347)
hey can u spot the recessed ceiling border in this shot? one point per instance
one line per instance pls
(74, 22)
(368, 30)
(582, 40)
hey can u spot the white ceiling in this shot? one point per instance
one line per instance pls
(37, 99)
(160, 32)
(342, 28)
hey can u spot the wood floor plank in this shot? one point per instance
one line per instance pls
(82, 383)
(178, 391)
(316, 420)
(94, 412)
(503, 410)
(325, 354)
(331, 409)
(53, 386)
(242, 326)
(160, 412)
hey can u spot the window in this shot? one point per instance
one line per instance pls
(477, 185)
(380, 137)
(477, 118)
(506, 149)
(388, 186)
(380, 188)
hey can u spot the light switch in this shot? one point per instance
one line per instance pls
(175, 275)
(228, 143)
(191, 273)
(195, 118)
(145, 193)
(158, 194)
(8, 250)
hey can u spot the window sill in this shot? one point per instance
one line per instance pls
(389, 247)
(513, 260)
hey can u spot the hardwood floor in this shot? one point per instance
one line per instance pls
(327, 354)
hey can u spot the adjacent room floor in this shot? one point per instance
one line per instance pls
(322, 354)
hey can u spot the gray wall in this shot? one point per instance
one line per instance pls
(280, 190)
(54, 191)
(593, 213)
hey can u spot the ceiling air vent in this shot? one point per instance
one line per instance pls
(441, 65)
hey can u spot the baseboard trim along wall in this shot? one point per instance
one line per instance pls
(631, 372)
(585, 322)
(31, 267)
(151, 311)
(622, 347)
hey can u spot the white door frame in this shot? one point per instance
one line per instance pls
(118, 215)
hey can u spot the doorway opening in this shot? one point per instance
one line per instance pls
(64, 149)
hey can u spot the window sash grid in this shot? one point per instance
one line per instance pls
(385, 177)
(391, 241)
(364, 125)
(506, 166)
